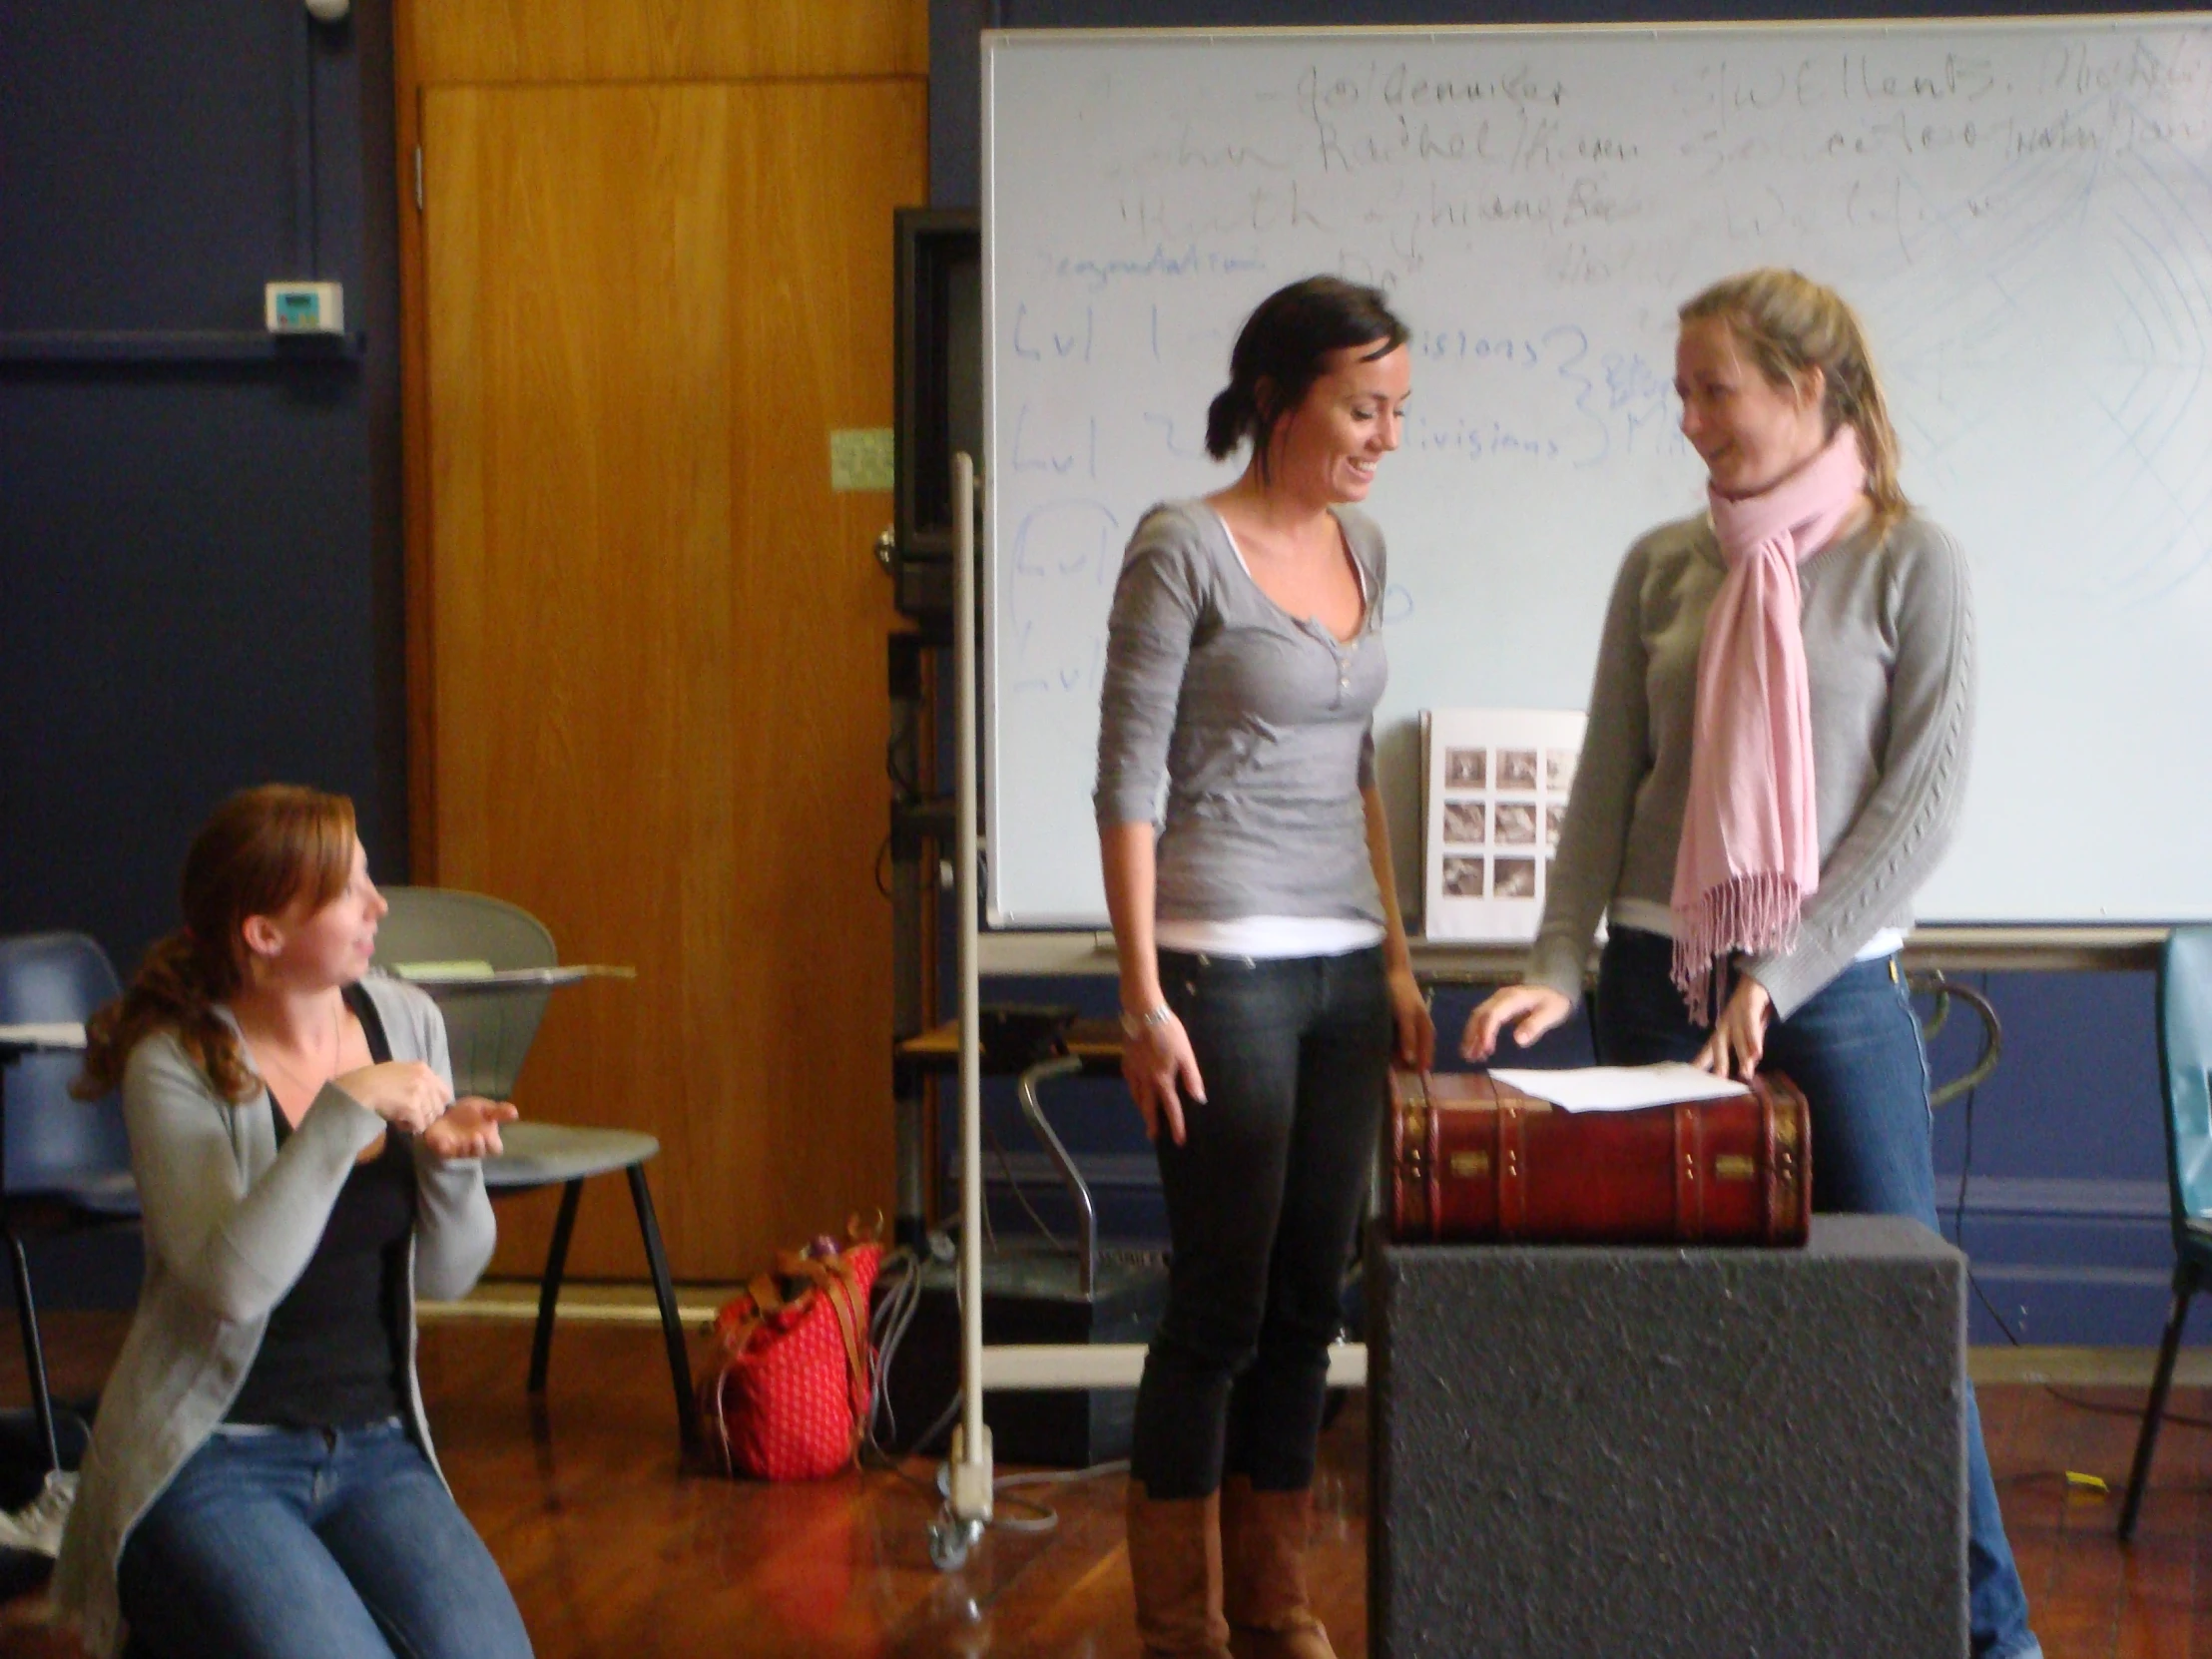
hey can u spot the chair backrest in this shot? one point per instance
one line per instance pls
(2185, 1059)
(489, 1030)
(53, 1140)
(444, 925)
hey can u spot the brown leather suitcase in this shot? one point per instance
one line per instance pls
(1474, 1160)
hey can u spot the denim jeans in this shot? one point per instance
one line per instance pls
(1855, 1049)
(1263, 1198)
(313, 1544)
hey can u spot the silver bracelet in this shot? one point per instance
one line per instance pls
(1136, 1026)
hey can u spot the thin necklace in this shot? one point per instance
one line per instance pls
(311, 1085)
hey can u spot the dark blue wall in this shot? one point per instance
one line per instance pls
(2063, 1202)
(200, 540)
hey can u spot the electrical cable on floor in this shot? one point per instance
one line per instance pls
(1959, 1234)
(887, 1326)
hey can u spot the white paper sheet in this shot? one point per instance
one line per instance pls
(1620, 1088)
(47, 1035)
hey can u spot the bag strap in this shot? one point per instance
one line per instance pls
(844, 1295)
(711, 1391)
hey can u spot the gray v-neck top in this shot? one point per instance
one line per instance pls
(1245, 734)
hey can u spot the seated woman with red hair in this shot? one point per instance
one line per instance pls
(260, 1482)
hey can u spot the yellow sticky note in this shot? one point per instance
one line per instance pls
(861, 459)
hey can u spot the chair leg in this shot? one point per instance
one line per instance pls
(672, 1324)
(2187, 1278)
(549, 1288)
(34, 1354)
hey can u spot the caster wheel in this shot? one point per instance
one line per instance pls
(950, 1541)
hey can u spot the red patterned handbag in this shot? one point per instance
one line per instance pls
(786, 1392)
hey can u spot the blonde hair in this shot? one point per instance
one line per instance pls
(1787, 323)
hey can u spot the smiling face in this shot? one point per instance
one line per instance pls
(1350, 417)
(1750, 432)
(308, 948)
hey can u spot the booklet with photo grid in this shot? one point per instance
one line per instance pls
(1494, 786)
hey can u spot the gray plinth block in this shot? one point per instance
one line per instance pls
(1584, 1453)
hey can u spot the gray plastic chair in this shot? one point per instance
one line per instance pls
(489, 1028)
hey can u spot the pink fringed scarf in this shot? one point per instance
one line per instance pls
(1749, 852)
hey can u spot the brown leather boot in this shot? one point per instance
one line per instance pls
(1263, 1546)
(1174, 1569)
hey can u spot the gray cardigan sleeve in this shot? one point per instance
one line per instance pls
(1157, 602)
(1901, 832)
(1615, 758)
(454, 1229)
(237, 1248)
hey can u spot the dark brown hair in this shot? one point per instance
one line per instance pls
(263, 849)
(1787, 323)
(1283, 350)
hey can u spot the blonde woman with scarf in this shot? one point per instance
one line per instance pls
(1776, 752)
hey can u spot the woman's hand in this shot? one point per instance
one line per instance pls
(1416, 1031)
(469, 1128)
(1153, 1062)
(1532, 1010)
(1739, 1036)
(405, 1093)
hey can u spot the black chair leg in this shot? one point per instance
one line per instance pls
(672, 1324)
(34, 1354)
(2187, 1278)
(549, 1288)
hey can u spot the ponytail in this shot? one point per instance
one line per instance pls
(175, 989)
(1228, 418)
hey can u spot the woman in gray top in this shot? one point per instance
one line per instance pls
(260, 1482)
(1777, 749)
(1265, 977)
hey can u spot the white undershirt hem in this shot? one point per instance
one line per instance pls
(1268, 937)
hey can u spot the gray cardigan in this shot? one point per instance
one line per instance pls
(230, 1222)
(1246, 732)
(1889, 649)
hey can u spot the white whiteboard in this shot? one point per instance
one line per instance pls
(2021, 213)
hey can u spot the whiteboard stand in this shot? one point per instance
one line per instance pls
(968, 1508)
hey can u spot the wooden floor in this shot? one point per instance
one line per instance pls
(611, 1553)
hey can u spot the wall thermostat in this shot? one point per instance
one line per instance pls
(304, 307)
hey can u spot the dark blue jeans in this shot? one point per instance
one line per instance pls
(307, 1545)
(1855, 1049)
(1264, 1199)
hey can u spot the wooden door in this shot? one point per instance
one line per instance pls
(656, 654)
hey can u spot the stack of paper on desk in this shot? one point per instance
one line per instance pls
(1620, 1088)
(468, 976)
